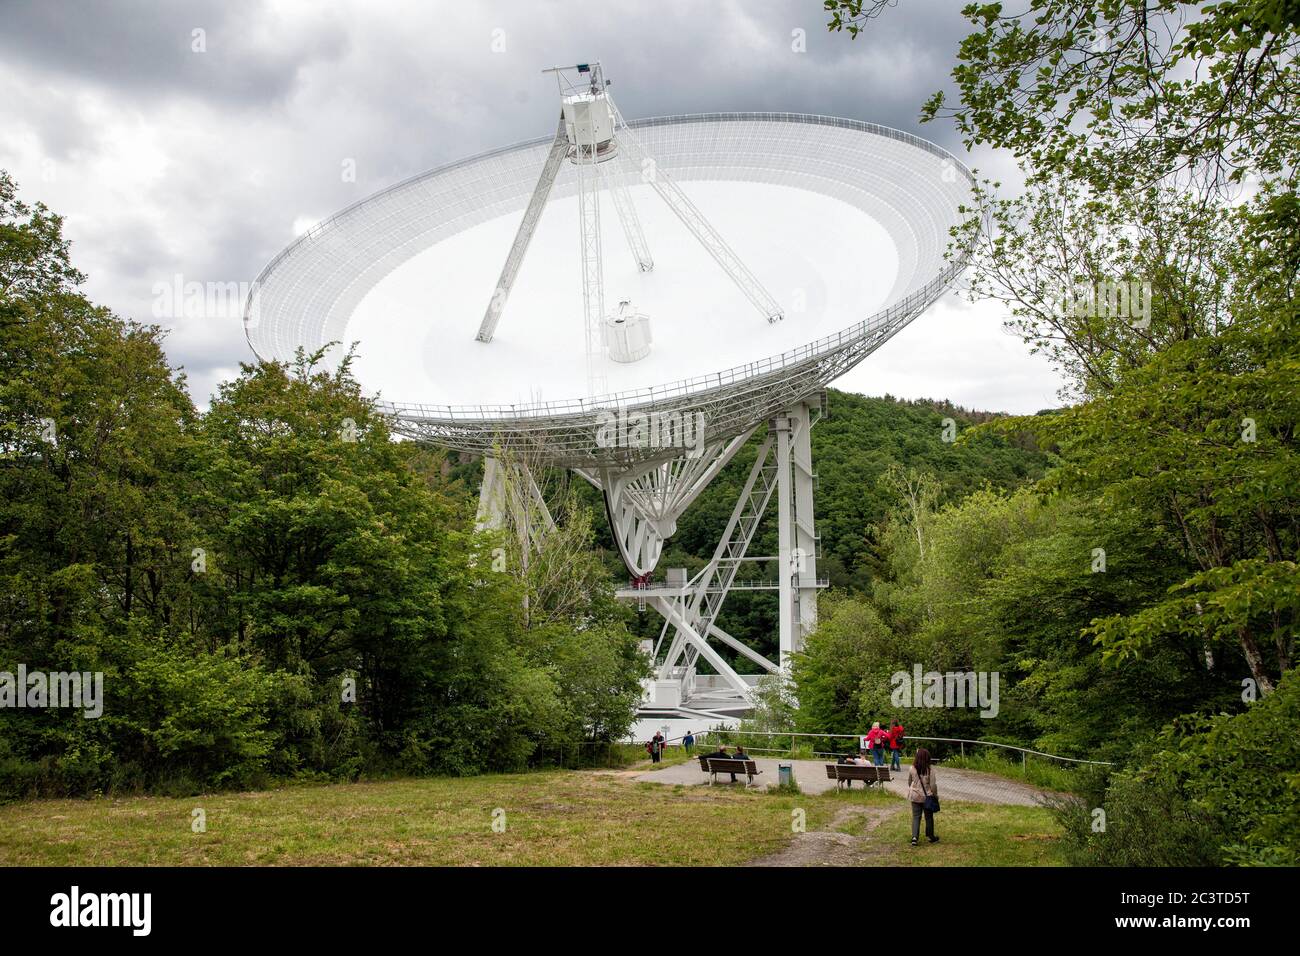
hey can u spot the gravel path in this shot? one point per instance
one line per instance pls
(968, 785)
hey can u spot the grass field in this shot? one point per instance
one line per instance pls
(555, 818)
(973, 834)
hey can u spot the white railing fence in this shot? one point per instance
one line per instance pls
(790, 744)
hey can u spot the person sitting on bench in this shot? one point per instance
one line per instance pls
(721, 754)
(847, 761)
(739, 755)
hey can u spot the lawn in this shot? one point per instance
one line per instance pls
(970, 834)
(976, 834)
(562, 817)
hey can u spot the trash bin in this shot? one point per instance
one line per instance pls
(785, 775)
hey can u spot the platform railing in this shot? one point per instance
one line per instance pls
(820, 348)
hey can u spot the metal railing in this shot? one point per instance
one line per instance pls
(728, 735)
(653, 395)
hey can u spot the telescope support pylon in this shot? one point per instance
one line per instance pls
(782, 469)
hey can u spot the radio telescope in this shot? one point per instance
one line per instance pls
(766, 254)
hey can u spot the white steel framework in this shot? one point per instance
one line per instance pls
(305, 296)
(593, 270)
(781, 469)
(796, 535)
(699, 227)
(559, 149)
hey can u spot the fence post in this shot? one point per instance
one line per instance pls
(963, 748)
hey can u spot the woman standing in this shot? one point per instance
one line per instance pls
(895, 746)
(924, 794)
(876, 740)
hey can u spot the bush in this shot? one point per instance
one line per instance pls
(173, 722)
(1220, 790)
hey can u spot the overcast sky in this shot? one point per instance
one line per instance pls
(195, 139)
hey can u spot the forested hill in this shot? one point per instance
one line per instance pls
(855, 448)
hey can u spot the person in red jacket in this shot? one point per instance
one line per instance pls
(876, 742)
(896, 746)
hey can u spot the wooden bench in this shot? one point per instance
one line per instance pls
(716, 765)
(846, 773)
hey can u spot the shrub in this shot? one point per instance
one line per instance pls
(1219, 790)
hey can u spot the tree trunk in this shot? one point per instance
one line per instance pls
(1256, 662)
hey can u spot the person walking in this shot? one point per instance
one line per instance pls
(895, 746)
(924, 794)
(656, 747)
(689, 742)
(876, 739)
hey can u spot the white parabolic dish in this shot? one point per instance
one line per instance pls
(846, 223)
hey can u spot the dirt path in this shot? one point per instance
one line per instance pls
(833, 846)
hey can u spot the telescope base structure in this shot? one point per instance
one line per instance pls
(782, 469)
(644, 501)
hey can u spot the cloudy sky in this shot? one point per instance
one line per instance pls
(195, 139)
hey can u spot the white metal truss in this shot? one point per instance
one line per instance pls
(627, 216)
(700, 603)
(590, 157)
(782, 467)
(694, 221)
(673, 613)
(593, 274)
(644, 499)
(519, 248)
(306, 296)
(510, 499)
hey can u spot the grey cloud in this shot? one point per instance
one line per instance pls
(254, 132)
(143, 50)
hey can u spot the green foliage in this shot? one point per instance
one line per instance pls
(1099, 281)
(1202, 437)
(1042, 772)
(859, 449)
(1220, 789)
(1004, 582)
(850, 646)
(1116, 92)
(1177, 468)
(172, 721)
(274, 588)
(776, 708)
